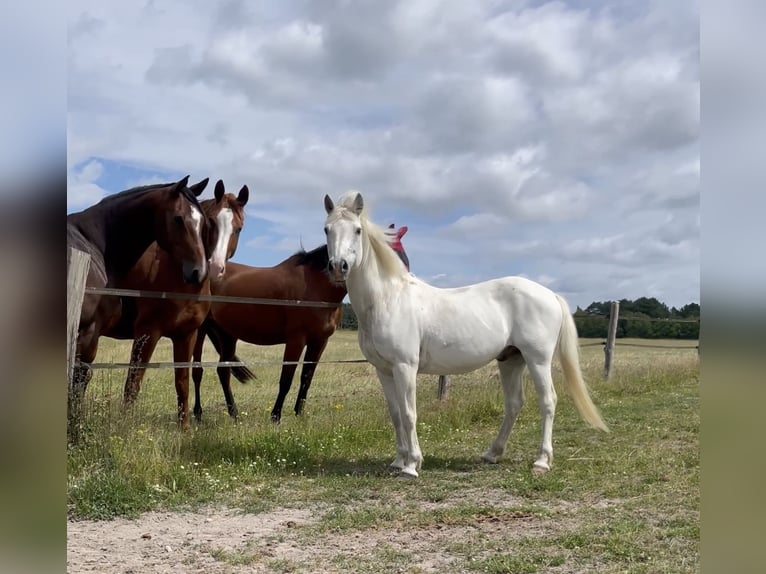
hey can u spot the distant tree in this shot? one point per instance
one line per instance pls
(690, 310)
(646, 317)
(348, 319)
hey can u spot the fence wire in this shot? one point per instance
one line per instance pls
(203, 364)
(211, 298)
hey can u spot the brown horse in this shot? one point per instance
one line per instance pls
(116, 232)
(146, 320)
(302, 276)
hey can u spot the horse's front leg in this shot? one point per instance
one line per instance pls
(387, 382)
(182, 353)
(404, 387)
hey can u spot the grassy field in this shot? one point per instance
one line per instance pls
(627, 501)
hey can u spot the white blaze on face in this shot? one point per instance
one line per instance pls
(225, 221)
(196, 216)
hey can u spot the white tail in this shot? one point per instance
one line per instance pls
(569, 355)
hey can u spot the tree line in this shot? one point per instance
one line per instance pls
(644, 318)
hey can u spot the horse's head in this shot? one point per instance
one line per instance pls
(180, 231)
(343, 228)
(226, 214)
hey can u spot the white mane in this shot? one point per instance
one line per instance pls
(374, 238)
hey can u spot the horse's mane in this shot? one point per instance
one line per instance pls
(373, 236)
(185, 191)
(317, 258)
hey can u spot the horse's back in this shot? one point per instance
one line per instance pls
(460, 329)
(264, 324)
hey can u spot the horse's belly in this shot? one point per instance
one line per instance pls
(445, 357)
(453, 363)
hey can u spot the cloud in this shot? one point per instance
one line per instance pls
(82, 189)
(509, 137)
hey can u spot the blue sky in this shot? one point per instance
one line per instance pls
(554, 140)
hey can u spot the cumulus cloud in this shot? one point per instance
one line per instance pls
(510, 138)
(82, 189)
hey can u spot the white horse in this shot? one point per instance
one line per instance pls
(407, 326)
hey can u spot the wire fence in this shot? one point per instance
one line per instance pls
(203, 364)
(140, 293)
(649, 319)
(211, 298)
(649, 346)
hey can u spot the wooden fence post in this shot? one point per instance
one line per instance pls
(614, 314)
(443, 386)
(78, 263)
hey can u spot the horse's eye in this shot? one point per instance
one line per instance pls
(238, 230)
(179, 220)
(358, 230)
(325, 230)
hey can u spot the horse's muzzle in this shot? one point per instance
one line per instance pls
(216, 270)
(338, 270)
(194, 274)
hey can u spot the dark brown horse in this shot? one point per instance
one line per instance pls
(116, 232)
(146, 320)
(303, 276)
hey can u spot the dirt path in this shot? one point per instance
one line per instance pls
(210, 541)
(216, 541)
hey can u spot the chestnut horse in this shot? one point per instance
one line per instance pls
(116, 232)
(145, 320)
(303, 276)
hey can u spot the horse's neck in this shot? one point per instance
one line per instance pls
(366, 288)
(128, 232)
(325, 290)
(155, 270)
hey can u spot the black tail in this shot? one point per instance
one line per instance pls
(214, 333)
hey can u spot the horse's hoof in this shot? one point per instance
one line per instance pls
(490, 458)
(407, 474)
(539, 470)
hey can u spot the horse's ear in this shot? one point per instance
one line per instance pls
(328, 204)
(244, 195)
(179, 185)
(358, 204)
(219, 190)
(198, 187)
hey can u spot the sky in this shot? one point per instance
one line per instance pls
(555, 140)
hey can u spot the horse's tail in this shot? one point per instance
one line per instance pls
(215, 334)
(569, 355)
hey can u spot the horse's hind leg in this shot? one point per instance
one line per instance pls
(546, 401)
(226, 353)
(511, 379)
(81, 376)
(293, 350)
(313, 354)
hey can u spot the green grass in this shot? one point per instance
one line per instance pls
(623, 501)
